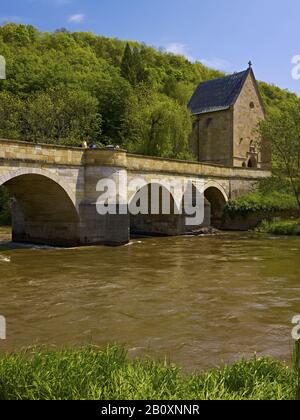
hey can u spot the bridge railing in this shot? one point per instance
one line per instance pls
(64, 155)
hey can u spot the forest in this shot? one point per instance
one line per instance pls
(64, 88)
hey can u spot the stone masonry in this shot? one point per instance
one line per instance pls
(55, 191)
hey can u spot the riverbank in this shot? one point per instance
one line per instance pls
(248, 212)
(90, 374)
(280, 227)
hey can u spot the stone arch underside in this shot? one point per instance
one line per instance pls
(216, 198)
(160, 214)
(43, 211)
(174, 223)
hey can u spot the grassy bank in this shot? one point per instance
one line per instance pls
(280, 227)
(109, 374)
(260, 202)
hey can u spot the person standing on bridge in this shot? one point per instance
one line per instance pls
(84, 144)
(93, 145)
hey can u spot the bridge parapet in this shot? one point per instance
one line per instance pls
(137, 163)
(57, 189)
(64, 155)
(43, 153)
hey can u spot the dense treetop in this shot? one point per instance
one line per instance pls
(65, 87)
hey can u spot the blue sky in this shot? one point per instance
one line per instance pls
(224, 34)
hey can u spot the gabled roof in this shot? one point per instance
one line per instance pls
(218, 94)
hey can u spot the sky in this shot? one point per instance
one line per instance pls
(223, 34)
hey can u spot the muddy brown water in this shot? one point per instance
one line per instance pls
(199, 301)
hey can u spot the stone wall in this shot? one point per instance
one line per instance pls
(51, 181)
(229, 137)
(211, 140)
(247, 113)
(251, 221)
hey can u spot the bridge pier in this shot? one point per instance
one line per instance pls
(106, 229)
(56, 190)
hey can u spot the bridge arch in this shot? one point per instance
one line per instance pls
(43, 209)
(164, 220)
(36, 171)
(217, 197)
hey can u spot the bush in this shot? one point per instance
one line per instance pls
(259, 202)
(280, 227)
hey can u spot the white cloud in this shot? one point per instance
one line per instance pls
(77, 18)
(178, 48)
(216, 63)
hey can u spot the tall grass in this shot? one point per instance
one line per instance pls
(280, 227)
(89, 374)
(296, 360)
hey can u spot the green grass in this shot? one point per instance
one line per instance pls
(261, 202)
(280, 227)
(92, 374)
(296, 363)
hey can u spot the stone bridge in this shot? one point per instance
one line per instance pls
(55, 192)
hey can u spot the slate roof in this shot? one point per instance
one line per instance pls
(218, 94)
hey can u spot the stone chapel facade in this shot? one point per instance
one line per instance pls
(226, 113)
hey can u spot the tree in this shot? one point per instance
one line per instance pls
(132, 67)
(158, 126)
(126, 86)
(281, 130)
(115, 98)
(60, 117)
(127, 65)
(11, 109)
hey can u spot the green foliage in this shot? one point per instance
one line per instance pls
(60, 117)
(157, 126)
(276, 99)
(103, 77)
(260, 202)
(296, 365)
(132, 67)
(272, 195)
(92, 68)
(280, 227)
(90, 374)
(282, 129)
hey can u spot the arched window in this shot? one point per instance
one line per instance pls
(252, 162)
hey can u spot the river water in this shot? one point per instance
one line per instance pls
(198, 301)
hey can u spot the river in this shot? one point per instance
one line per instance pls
(198, 301)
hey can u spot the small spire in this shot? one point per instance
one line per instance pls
(250, 64)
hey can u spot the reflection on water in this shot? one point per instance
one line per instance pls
(197, 300)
